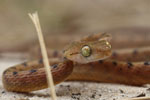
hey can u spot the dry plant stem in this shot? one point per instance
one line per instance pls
(35, 19)
(139, 98)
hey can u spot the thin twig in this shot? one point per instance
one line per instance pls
(139, 98)
(35, 19)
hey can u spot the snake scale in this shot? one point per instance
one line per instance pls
(83, 60)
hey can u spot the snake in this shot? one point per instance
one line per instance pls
(88, 59)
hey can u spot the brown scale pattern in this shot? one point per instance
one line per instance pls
(115, 69)
(126, 66)
(34, 78)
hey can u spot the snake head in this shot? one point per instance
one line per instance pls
(84, 52)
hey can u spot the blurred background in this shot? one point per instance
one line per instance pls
(64, 20)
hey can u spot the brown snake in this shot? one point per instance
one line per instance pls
(83, 61)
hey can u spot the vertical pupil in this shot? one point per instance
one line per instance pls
(86, 51)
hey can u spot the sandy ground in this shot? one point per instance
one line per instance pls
(73, 90)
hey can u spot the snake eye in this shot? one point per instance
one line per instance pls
(86, 51)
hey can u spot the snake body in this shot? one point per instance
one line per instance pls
(125, 66)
